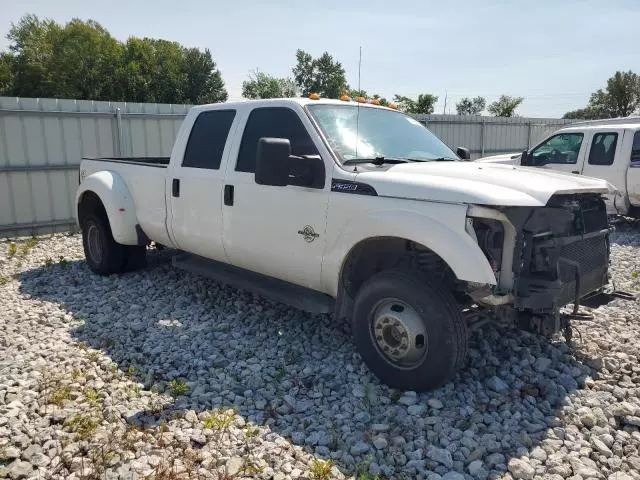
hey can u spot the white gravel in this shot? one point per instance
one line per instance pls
(164, 374)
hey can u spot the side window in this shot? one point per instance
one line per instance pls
(562, 148)
(635, 150)
(207, 139)
(278, 122)
(603, 149)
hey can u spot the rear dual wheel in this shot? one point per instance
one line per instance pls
(410, 333)
(103, 254)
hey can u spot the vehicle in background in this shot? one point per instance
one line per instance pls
(356, 209)
(608, 149)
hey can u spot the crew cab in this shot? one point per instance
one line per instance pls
(358, 210)
(607, 149)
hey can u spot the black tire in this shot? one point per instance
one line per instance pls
(103, 254)
(433, 310)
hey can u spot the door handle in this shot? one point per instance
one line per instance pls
(228, 195)
(575, 171)
(175, 187)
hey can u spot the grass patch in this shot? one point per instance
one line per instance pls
(84, 427)
(3, 281)
(320, 470)
(12, 250)
(60, 395)
(219, 420)
(92, 397)
(178, 387)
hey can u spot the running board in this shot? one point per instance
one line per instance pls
(268, 287)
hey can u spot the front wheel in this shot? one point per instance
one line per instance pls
(409, 332)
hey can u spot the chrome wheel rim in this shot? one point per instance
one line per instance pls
(94, 245)
(398, 333)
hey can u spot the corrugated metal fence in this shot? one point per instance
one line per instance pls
(43, 140)
(486, 136)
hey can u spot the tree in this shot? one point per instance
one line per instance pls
(505, 106)
(468, 106)
(6, 74)
(82, 60)
(263, 85)
(323, 75)
(424, 104)
(203, 81)
(621, 98)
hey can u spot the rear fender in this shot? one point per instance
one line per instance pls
(117, 201)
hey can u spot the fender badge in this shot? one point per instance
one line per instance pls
(308, 233)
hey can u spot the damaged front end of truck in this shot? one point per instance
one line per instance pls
(544, 259)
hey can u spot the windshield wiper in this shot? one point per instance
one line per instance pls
(378, 160)
(440, 159)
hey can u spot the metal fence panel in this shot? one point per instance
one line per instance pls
(43, 140)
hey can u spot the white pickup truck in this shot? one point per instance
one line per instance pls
(607, 149)
(352, 208)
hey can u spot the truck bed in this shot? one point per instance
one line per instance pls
(158, 162)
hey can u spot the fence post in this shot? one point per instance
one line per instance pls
(482, 139)
(529, 136)
(119, 126)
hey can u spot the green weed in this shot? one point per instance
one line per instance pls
(12, 250)
(320, 470)
(60, 395)
(178, 387)
(219, 419)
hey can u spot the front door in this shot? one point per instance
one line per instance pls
(276, 231)
(563, 152)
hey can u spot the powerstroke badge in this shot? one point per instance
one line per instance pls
(308, 233)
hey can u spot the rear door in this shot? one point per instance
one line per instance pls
(633, 174)
(564, 151)
(196, 185)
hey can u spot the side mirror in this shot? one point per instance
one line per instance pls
(463, 153)
(525, 158)
(272, 161)
(307, 171)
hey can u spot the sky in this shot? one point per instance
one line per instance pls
(554, 53)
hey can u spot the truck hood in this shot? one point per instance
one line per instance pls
(478, 183)
(506, 158)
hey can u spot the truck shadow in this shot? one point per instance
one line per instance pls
(298, 373)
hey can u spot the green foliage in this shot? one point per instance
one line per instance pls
(3, 280)
(424, 104)
(263, 85)
(323, 75)
(83, 426)
(635, 275)
(320, 470)
(12, 250)
(178, 387)
(471, 106)
(219, 419)
(621, 98)
(82, 60)
(48, 262)
(505, 106)
(60, 395)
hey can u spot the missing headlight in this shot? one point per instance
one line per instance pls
(490, 234)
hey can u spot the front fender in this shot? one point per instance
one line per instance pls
(118, 203)
(450, 241)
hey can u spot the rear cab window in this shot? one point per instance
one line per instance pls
(635, 150)
(603, 148)
(207, 139)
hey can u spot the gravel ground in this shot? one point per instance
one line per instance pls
(163, 374)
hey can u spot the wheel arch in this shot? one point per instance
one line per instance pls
(107, 192)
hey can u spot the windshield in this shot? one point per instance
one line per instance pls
(377, 133)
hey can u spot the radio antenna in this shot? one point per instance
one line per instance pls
(358, 108)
